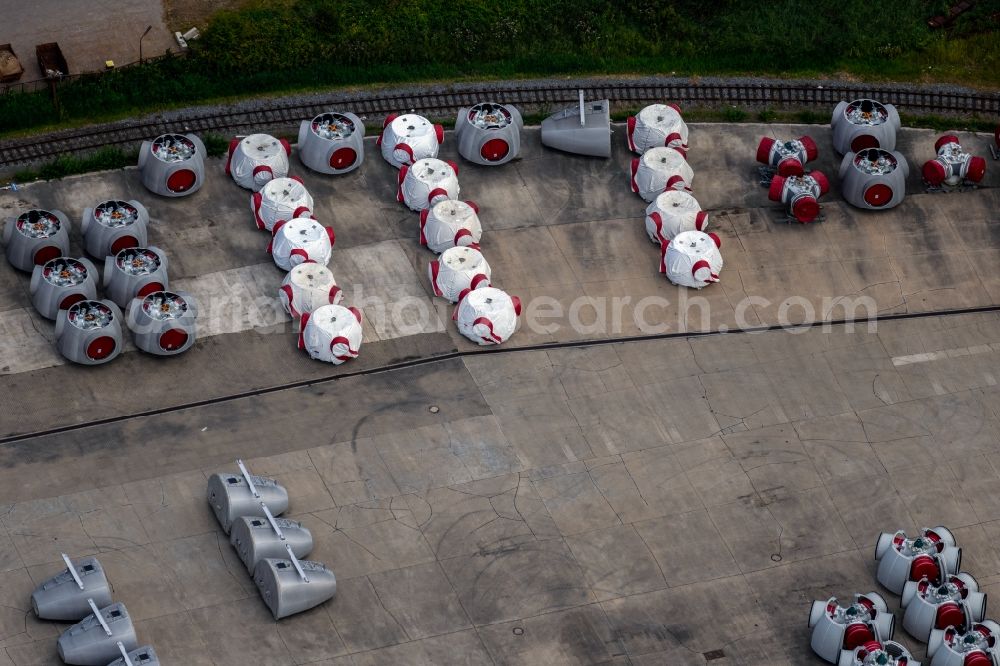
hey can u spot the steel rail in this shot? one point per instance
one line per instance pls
(441, 101)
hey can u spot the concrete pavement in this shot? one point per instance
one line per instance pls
(675, 501)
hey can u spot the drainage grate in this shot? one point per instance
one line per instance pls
(712, 655)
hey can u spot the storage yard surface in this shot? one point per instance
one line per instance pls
(677, 501)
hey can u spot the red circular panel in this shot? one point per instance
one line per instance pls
(181, 180)
(123, 243)
(863, 141)
(343, 158)
(101, 348)
(790, 167)
(173, 339)
(924, 565)
(494, 150)
(949, 615)
(70, 300)
(856, 635)
(47, 253)
(977, 659)
(149, 289)
(878, 195)
(805, 209)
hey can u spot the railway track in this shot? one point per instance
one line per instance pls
(446, 100)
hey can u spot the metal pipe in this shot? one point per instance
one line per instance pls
(72, 570)
(121, 648)
(246, 477)
(100, 618)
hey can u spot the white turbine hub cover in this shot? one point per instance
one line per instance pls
(280, 199)
(671, 213)
(408, 138)
(458, 269)
(306, 287)
(450, 224)
(692, 259)
(427, 182)
(658, 170)
(302, 239)
(658, 125)
(331, 333)
(257, 159)
(487, 316)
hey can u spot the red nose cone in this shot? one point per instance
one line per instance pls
(878, 195)
(934, 172)
(924, 565)
(764, 150)
(150, 288)
(805, 210)
(856, 635)
(821, 180)
(977, 169)
(181, 181)
(47, 253)
(777, 185)
(977, 659)
(343, 158)
(101, 348)
(715, 239)
(949, 615)
(173, 339)
(70, 300)
(945, 140)
(812, 150)
(863, 142)
(494, 150)
(122, 243)
(790, 167)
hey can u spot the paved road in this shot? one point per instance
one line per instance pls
(671, 501)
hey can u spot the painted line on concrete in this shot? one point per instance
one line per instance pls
(336, 374)
(942, 354)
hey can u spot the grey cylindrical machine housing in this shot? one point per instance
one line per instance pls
(172, 165)
(230, 497)
(135, 272)
(564, 130)
(255, 540)
(61, 282)
(90, 332)
(87, 644)
(163, 322)
(332, 142)
(144, 656)
(286, 593)
(489, 133)
(874, 179)
(59, 598)
(34, 237)
(112, 226)
(862, 124)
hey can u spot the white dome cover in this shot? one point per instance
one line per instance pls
(307, 287)
(692, 259)
(658, 125)
(331, 333)
(487, 316)
(658, 170)
(408, 138)
(458, 269)
(256, 159)
(671, 213)
(301, 239)
(427, 182)
(450, 223)
(280, 199)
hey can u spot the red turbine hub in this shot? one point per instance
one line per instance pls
(805, 209)
(856, 635)
(47, 253)
(122, 243)
(949, 615)
(181, 180)
(878, 195)
(494, 150)
(101, 348)
(173, 339)
(863, 142)
(70, 300)
(343, 158)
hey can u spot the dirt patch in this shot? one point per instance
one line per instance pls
(181, 15)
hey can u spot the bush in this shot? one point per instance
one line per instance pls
(282, 45)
